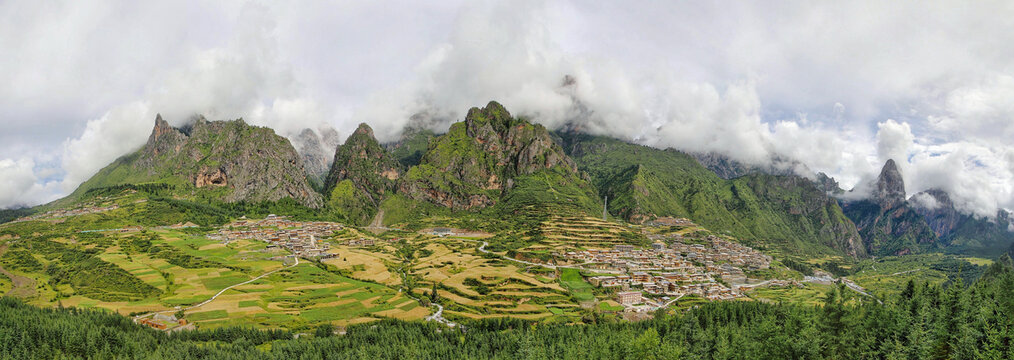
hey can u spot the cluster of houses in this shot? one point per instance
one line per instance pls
(88, 208)
(299, 237)
(669, 221)
(721, 250)
(666, 284)
(162, 321)
(708, 290)
(676, 269)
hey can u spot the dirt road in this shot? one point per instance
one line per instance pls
(24, 287)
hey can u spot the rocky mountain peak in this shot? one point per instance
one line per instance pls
(361, 175)
(828, 184)
(364, 130)
(890, 186)
(938, 209)
(312, 151)
(164, 138)
(366, 163)
(251, 163)
(478, 159)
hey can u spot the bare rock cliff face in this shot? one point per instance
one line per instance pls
(887, 222)
(890, 186)
(937, 207)
(251, 163)
(964, 232)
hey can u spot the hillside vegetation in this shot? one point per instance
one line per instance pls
(785, 213)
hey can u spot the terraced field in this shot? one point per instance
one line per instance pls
(473, 286)
(181, 269)
(587, 232)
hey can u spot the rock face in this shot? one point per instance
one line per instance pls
(887, 222)
(211, 177)
(938, 209)
(964, 233)
(728, 168)
(250, 163)
(890, 186)
(315, 150)
(828, 184)
(361, 175)
(478, 159)
(362, 160)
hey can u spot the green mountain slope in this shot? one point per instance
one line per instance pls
(413, 144)
(963, 233)
(491, 159)
(216, 160)
(362, 174)
(785, 212)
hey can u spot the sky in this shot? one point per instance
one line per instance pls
(838, 86)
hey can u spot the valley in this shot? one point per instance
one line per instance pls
(277, 272)
(499, 221)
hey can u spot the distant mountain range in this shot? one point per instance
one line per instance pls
(500, 165)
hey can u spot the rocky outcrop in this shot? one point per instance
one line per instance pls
(828, 184)
(890, 191)
(208, 177)
(478, 160)
(316, 151)
(366, 164)
(962, 232)
(938, 209)
(728, 168)
(251, 163)
(888, 224)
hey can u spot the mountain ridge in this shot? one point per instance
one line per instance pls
(229, 160)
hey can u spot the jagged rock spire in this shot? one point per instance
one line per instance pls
(890, 186)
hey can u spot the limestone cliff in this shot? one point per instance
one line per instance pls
(226, 160)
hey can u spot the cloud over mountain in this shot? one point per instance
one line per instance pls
(827, 84)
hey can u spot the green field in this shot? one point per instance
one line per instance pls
(158, 269)
(573, 281)
(810, 294)
(888, 276)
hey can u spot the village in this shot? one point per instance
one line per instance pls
(89, 208)
(302, 238)
(715, 270)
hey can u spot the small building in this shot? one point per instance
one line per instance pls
(441, 231)
(624, 247)
(166, 318)
(641, 277)
(628, 297)
(658, 246)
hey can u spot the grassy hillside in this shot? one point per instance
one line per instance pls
(785, 213)
(495, 159)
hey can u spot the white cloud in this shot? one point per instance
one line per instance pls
(119, 131)
(19, 185)
(894, 140)
(925, 201)
(817, 82)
